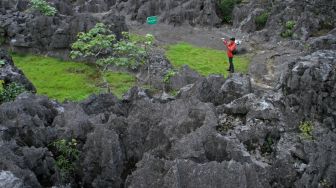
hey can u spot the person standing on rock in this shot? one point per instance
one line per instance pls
(231, 48)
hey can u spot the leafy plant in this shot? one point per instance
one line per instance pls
(173, 92)
(261, 20)
(67, 154)
(10, 92)
(101, 44)
(2, 62)
(168, 75)
(226, 7)
(325, 183)
(225, 127)
(306, 129)
(288, 29)
(44, 7)
(290, 24)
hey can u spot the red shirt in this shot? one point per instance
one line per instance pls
(231, 47)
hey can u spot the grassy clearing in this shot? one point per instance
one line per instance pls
(120, 82)
(67, 80)
(206, 61)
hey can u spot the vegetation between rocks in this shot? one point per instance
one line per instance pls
(102, 45)
(261, 20)
(306, 129)
(288, 29)
(66, 154)
(44, 7)
(226, 8)
(169, 74)
(10, 92)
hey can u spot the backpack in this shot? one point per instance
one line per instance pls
(234, 52)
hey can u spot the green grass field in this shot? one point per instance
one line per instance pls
(63, 80)
(204, 60)
(68, 80)
(120, 82)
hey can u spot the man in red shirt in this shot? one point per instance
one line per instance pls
(231, 46)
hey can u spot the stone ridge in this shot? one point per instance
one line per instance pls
(216, 133)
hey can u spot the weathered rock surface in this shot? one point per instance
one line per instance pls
(310, 86)
(10, 74)
(216, 133)
(311, 17)
(8, 180)
(26, 30)
(217, 90)
(194, 12)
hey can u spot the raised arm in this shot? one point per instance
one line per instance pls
(225, 43)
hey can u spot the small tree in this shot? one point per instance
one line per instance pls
(44, 7)
(101, 44)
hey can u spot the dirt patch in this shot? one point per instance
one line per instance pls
(203, 37)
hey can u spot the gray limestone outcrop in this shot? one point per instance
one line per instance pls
(9, 73)
(216, 133)
(312, 18)
(29, 31)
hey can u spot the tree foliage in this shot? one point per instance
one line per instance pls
(100, 43)
(43, 7)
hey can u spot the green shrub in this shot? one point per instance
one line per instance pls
(43, 7)
(288, 29)
(10, 92)
(101, 44)
(2, 62)
(325, 183)
(290, 24)
(268, 145)
(306, 129)
(225, 127)
(173, 92)
(226, 7)
(168, 75)
(261, 20)
(67, 154)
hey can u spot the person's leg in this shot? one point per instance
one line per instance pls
(231, 65)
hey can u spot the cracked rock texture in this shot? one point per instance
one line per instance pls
(216, 133)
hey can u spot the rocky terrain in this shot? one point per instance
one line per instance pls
(216, 133)
(26, 30)
(272, 128)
